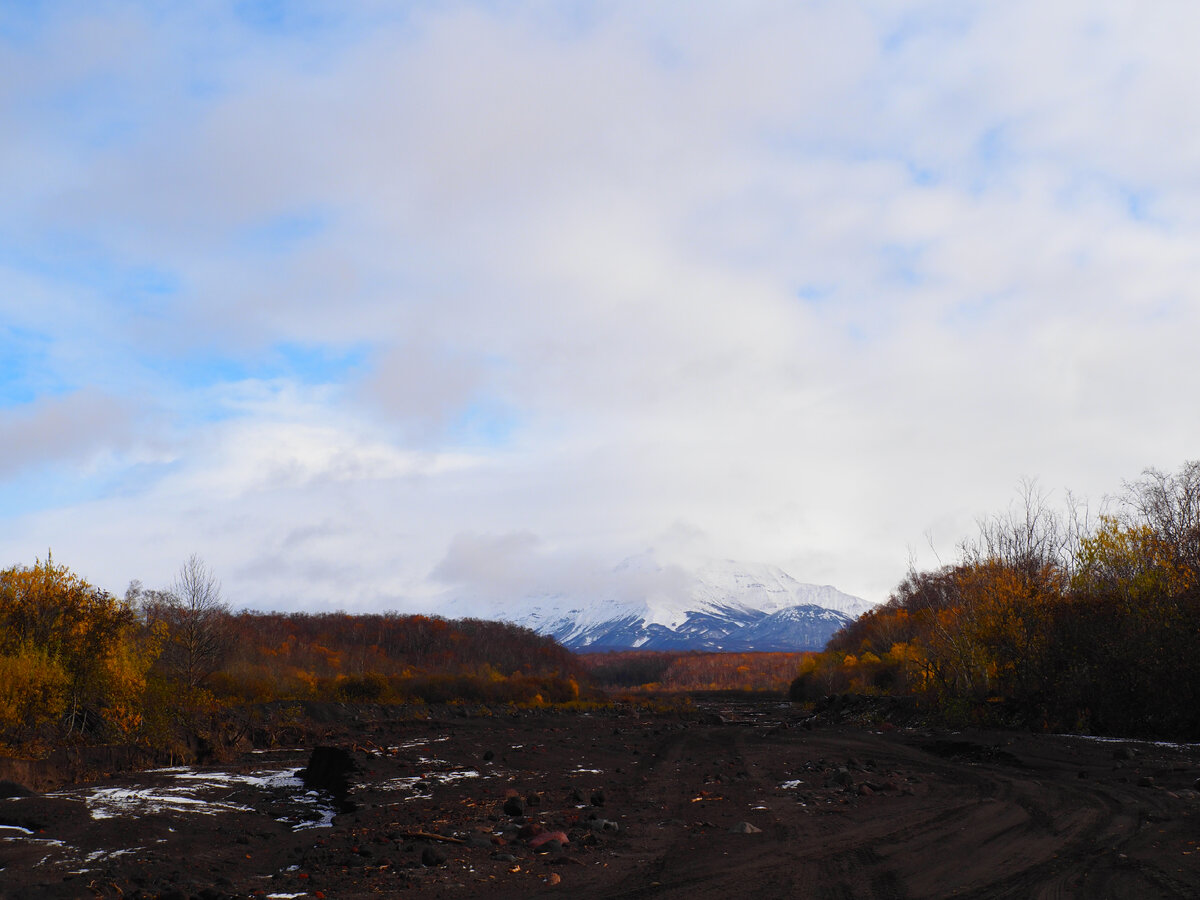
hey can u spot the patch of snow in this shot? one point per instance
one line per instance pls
(410, 781)
(201, 792)
(1101, 739)
(108, 803)
(324, 820)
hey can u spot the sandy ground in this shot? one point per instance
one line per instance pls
(741, 800)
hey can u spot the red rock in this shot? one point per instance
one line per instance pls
(539, 839)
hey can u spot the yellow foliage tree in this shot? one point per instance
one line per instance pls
(86, 643)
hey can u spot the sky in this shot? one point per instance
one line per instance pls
(370, 304)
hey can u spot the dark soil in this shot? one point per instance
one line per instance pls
(741, 800)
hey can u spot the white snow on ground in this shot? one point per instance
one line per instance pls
(1116, 740)
(109, 803)
(202, 792)
(409, 782)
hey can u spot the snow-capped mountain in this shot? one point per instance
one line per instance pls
(718, 606)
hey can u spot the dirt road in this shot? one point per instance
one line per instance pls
(751, 804)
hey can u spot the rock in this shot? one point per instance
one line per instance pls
(864, 790)
(12, 789)
(1145, 781)
(549, 837)
(432, 856)
(744, 828)
(604, 826)
(533, 800)
(329, 769)
(488, 756)
(40, 813)
(514, 806)
(553, 879)
(529, 830)
(479, 840)
(598, 798)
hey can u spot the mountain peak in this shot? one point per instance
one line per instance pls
(719, 605)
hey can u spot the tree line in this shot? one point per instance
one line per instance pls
(681, 671)
(1046, 620)
(156, 666)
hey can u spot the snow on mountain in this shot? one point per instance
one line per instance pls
(721, 605)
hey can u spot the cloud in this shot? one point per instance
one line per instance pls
(70, 429)
(489, 572)
(805, 280)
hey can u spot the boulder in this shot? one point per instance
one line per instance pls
(549, 837)
(745, 828)
(12, 789)
(329, 769)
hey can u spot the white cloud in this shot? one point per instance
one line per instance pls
(809, 280)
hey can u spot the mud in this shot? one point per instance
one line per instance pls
(738, 800)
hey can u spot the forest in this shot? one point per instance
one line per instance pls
(650, 671)
(1047, 620)
(162, 668)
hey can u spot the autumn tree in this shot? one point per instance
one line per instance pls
(70, 653)
(1048, 619)
(1170, 505)
(196, 619)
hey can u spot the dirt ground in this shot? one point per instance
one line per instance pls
(736, 800)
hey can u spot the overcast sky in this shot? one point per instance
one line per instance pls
(370, 302)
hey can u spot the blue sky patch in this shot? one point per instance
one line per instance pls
(283, 232)
(310, 364)
(289, 17)
(485, 423)
(76, 262)
(815, 294)
(25, 373)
